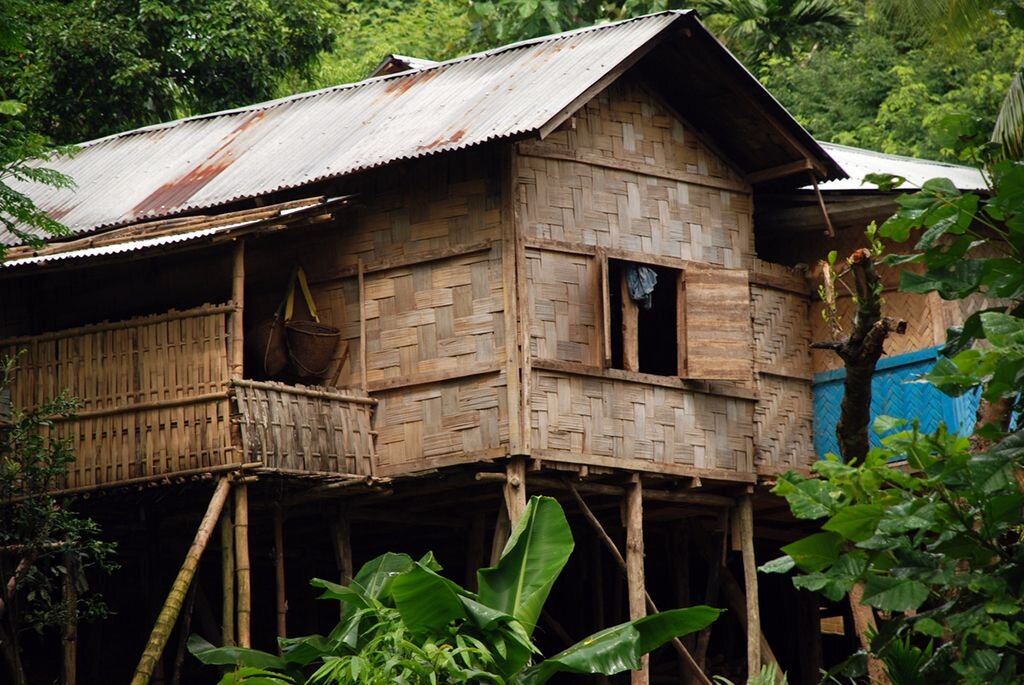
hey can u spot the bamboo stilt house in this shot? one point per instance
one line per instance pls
(538, 269)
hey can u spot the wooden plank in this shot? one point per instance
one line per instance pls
(630, 328)
(588, 459)
(745, 514)
(780, 171)
(606, 309)
(681, 324)
(362, 327)
(547, 151)
(719, 329)
(463, 371)
(635, 587)
(510, 301)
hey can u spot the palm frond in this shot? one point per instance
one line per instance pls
(1009, 129)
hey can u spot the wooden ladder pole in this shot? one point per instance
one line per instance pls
(282, 598)
(595, 523)
(243, 570)
(172, 606)
(636, 589)
(745, 516)
(227, 566)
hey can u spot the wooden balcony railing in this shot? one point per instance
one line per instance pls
(158, 399)
(154, 393)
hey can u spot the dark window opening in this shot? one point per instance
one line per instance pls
(656, 333)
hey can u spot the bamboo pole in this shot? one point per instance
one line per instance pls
(71, 624)
(169, 614)
(184, 628)
(360, 277)
(595, 523)
(243, 579)
(745, 516)
(282, 599)
(227, 565)
(238, 299)
(635, 587)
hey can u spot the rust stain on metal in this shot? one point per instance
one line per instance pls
(401, 85)
(181, 189)
(441, 142)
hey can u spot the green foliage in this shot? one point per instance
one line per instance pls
(45, 541)
(88, 69)
(368, 32)
(405, 623)
(938, 546)
(888, 88)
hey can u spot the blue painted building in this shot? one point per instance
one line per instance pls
(894, 392)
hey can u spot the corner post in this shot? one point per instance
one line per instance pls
(745, 516)
(282, 599)
(636, 590)
(237, 314)
(227, 566)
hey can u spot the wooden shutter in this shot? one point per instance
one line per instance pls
(718, 330)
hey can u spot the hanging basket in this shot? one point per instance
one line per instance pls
(266, 342)
(311, 346)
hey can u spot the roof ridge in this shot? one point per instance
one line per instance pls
(276, 102)
(889, 155)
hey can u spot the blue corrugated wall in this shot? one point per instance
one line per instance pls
(893, 393)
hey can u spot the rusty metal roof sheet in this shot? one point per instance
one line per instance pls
(211, 160)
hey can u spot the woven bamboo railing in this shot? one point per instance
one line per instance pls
(154, 393)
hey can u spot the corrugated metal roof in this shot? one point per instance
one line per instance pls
(858, 163)
(215, 159)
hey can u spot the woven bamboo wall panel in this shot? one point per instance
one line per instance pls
(423, 426)
(784, 422)
(290, 430)
(153, 393)
(432, 318)
(564, 301)
(627, 121)
(915, 309)
(622, 419)
(586, 203)
(414, 208)
(782, 332)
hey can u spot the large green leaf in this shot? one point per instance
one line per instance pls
(233, 656)
(815, 552)
(620, 648)
(856, 522)
(426, 601)
(894, 594)
(376, 575)
(535, 555)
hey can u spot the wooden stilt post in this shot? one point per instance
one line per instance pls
(745, 514)
(602, 534)
(635, 586)
(809, 634)
(515, 490)
(238, 299)
(227, 565)
(502, 530)
(71, 624)
(169, 614)
(282, 599)
(243, 570)
(341, 539)
(630, 329)
(864, 625)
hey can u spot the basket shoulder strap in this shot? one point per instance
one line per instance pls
(301, 275)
